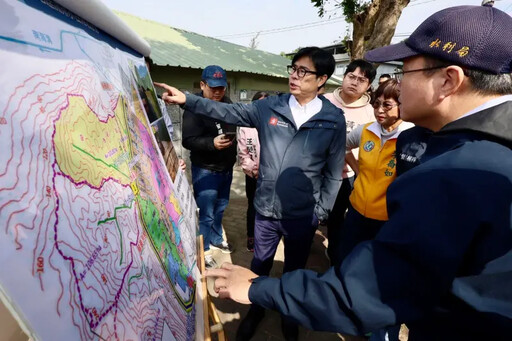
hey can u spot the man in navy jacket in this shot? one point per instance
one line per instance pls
(442, 264)
(302, 138)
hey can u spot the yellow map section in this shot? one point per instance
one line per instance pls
(90, 150)
(175, 204)
(138, 105)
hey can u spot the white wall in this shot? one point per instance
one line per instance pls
(341, 66)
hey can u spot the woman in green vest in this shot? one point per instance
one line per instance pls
(375, 169)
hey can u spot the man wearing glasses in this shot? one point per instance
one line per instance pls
(442, 264)
(302, 139)
(213, 153)
(352, 97)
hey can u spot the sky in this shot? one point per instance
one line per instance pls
(284, 25)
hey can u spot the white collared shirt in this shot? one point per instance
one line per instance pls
(303, 113)
(489, 104)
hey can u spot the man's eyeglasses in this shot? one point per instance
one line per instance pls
(401, 73)
(301, 72)
(360, 80)
(387, 106)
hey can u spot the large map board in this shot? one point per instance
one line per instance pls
(94, 244)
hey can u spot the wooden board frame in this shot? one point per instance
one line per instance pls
(209, 310)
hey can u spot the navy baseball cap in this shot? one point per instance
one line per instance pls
(476, 37)
(214, 76)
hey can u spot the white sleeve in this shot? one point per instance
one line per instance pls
(354, 137)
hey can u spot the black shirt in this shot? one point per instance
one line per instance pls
(198, 134)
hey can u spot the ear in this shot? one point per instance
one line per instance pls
(321, 80)
(451, 80)
(202, 85)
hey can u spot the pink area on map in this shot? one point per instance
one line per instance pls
(161, 180)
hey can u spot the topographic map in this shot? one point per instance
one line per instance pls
(93, 241)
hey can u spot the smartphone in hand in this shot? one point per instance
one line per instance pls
(230, 135)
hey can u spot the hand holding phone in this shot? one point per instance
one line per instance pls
(230, 135)
(222, 141)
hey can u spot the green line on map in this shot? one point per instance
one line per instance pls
(130, 279)
(117, 225)
(100, 160)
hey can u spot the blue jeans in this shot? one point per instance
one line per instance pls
(211, 191)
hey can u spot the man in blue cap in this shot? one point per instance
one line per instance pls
(442, 264)
(212, 153)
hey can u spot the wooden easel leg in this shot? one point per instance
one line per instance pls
(208, 307)
(217, 327)
(200, 262)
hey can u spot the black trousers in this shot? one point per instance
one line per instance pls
(337, 217)
(357, 229)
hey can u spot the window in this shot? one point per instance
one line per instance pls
(340, 69)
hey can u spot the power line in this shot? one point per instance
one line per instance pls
(413, 1)
(313, 24)
(421, 3)
(284, 29)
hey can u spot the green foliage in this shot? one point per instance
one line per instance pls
(320, 5)
(350, 8)
(353, 7)
(346, 41)
(290, 55)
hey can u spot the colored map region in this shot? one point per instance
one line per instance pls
(89, 150)
(94, 243)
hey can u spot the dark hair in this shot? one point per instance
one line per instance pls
(323, 60)
(259, 95)
(366, 68)
(384, 75)
(388, 89)
(482, 82)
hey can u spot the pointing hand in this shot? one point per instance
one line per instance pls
(171, 94)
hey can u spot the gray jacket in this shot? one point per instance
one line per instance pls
(300, 170)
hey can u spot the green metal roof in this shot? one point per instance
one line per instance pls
(180, 48)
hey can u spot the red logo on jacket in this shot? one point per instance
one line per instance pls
(273, 121)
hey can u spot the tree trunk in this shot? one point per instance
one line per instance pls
(375, 26)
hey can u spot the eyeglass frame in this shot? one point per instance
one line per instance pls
(291, 69)
(396, 104)
(360, 80)
(400, 73)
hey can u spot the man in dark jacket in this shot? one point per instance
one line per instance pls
(442, 264)
(213, 153)
(302, 139)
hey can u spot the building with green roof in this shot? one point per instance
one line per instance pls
(180, 56)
